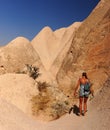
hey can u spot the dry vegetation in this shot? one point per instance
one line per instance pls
(47, 103)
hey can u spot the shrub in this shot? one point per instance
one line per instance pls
(34, 72)
(59, 108)
(50, 102)
(42, 86)
(40, 102)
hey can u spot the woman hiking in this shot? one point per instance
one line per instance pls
(83, 95)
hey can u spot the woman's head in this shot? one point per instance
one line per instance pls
(85, 75)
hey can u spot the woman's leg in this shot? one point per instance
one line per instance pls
(85, 104)
(80, 104)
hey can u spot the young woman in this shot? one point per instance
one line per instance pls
(83, 95)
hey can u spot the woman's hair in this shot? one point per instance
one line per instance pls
(84, 74)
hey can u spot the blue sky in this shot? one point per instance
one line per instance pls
(27, 17)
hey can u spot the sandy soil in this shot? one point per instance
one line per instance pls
(97, 117)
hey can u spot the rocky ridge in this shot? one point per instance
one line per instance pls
(16, 54)
(89, 50)
(80, 47)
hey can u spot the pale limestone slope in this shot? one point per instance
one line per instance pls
(18, 89)
(12, 118)
(52, 48)
(40, 45)
(49, 44)
(66, 38)
(16, 54)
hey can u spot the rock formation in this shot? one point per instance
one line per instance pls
(61, 56)
(89, 50)
(18, 89)
(50, 45)
(16, 54)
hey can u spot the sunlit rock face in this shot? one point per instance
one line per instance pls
(61, 55)
(16, 54)
(89, 51)
(52, 47)
(49, 44)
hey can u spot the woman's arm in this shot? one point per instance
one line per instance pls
(91, 88)
(92, 91)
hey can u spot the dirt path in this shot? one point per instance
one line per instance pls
(96, 118)
(13, 119)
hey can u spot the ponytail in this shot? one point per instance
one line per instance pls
(84, 74)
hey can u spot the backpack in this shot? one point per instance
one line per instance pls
(87, 87)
